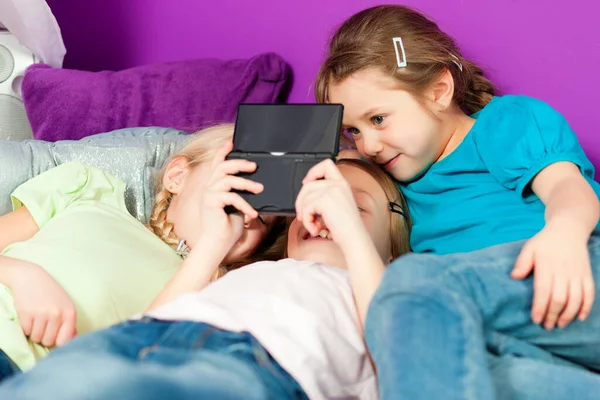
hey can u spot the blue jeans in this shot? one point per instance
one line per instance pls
(151, 359)
(7, 366)
(516, 377)
(459, 327)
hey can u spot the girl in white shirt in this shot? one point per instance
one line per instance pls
(288, 329)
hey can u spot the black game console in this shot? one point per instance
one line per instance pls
(285, 141)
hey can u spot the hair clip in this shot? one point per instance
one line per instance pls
(457, 62)
(182, 249)
(396, 208)
(399, 47)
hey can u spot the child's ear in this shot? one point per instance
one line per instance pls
(174, 175)
(442, 91)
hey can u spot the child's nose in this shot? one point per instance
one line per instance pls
(372, 145)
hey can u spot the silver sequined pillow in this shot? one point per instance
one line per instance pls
(132, 154)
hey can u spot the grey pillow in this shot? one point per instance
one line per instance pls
(134, 155)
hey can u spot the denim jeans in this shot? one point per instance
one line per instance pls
(459, 327)
(521, 378)
(7, 366)
(151, 359)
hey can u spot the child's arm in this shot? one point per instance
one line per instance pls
(16, 226)
(218, 231)
(530, 147)
(195, 273)
(46, 313)
(45, 310)
(365, 267)
(565, 287)
(570, 201)
(335, 204)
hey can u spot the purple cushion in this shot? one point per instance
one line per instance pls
(66, 104)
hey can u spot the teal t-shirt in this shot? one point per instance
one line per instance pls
(480, 194)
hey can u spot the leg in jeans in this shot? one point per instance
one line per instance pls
(69, 365)
(7, 366)
(517, 378)
(434, 317)
(156, 360)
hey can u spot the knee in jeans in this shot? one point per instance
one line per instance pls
(392, 299)
(407, 275)
(402, 274)
(515, 373)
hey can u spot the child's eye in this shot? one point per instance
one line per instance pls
(353, 131)
(361, 209)
(378, 119)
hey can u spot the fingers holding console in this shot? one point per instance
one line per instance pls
(223, 181)
(223, 212)
(326, 197)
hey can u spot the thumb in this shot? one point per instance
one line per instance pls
(524, 264)
(67, 332)
(223, 151)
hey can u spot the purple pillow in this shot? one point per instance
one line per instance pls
(66, 104)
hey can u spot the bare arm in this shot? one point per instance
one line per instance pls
(570, 200)
(327, 195)
(45, 311)
(194, 274)
(16, 226)
(559, 255)
(365, 268)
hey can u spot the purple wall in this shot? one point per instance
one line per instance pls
(554, 56)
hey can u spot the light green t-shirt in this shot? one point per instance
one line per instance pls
(110, 264)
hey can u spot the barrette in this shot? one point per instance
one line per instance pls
(457, 62)
(399, 47)
(396, 208)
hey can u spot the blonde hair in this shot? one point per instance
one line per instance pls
(400, 224)
(365, 40)
(202, 148)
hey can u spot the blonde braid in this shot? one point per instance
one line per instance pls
(158, 220)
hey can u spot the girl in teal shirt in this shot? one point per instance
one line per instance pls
(504, 207)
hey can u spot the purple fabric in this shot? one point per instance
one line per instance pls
(69, 104)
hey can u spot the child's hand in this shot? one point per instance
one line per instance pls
(46, 312)
(327, 196)
(563, 284)
(217, 194)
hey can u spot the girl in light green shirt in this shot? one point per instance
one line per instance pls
(73, 260)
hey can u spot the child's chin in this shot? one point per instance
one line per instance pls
(324, 251)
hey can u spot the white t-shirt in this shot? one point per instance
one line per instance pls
(302, 312)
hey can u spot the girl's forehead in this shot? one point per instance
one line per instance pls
(360, 181)
(370, 79)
